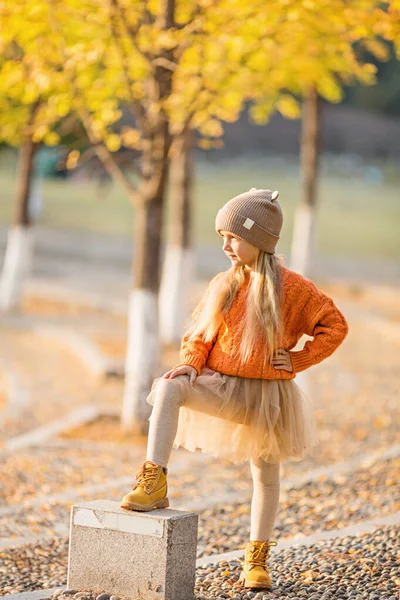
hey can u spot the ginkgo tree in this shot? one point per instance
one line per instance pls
(33, 101)
(209, 89)
(389, 28)
(318, 48)
(286, 58)
(149, 58)
(177, 66)
(76, 58)
(179, 260)
(181, 65)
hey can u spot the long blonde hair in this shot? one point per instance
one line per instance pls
(263, 315)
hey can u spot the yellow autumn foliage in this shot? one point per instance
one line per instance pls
(96, 57)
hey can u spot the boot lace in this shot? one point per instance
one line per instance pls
(147, 475)
(256, 553)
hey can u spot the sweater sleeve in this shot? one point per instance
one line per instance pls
(329, 327)
(194, 352)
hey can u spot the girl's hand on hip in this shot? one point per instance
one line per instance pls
(282, 360)
(183, 370)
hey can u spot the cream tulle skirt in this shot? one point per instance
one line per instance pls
(238, 418)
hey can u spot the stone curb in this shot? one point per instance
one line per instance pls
(74, 494)
(8, 544)
(37, 595)
(308, 540)
(17, 395)
(197, 505)
(95, 301)
(286, 484)
(38, 436)
(343, 467)
(85, 349)
(298, 481)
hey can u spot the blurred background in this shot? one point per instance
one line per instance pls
(358, 201)
(124, 128)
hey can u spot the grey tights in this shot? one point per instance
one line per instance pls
(162, 432)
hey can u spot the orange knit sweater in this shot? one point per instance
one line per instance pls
(306, 309)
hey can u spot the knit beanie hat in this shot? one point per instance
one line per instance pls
(254, 216)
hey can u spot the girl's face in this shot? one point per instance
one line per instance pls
(240, 252)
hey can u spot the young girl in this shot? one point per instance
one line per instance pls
(233, 395)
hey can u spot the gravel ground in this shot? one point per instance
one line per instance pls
(48, 470)
(57, 381)
(329, 504)
(360, 567)
(355, 392)
(332, 504)
(356, 398)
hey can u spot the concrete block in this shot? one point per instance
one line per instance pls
(140, 555)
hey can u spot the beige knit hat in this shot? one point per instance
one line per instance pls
(254, 216)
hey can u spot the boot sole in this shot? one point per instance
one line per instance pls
(164, 503)
(254, 584)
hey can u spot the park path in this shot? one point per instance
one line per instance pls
(350, 477)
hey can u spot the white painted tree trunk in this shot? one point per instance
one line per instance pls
(177, 276)
(302, 251)
(142, 360)
(303, 240)
(302, 379)
(16, 266)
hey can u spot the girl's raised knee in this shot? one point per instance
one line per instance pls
(170, 389)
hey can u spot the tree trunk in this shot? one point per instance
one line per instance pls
(143, 353)
(178, 262)
(303, 240)
(18, 255)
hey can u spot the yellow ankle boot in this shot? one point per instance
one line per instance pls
(150, 490)
(255, 572)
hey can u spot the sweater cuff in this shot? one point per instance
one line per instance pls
(300, 360)
(192, 360)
